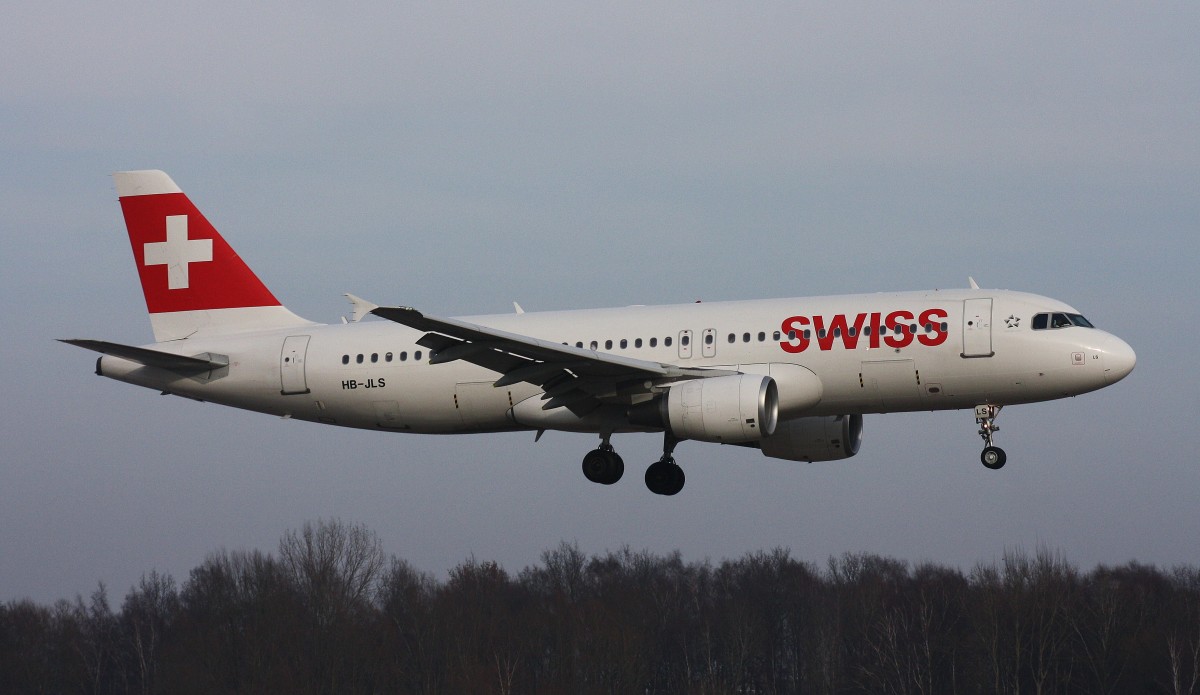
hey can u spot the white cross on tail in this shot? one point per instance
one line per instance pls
(177, 252)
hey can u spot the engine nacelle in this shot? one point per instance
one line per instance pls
(810, 439)
(731, 409)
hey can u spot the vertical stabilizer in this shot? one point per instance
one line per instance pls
(193, 281)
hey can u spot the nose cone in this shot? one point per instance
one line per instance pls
(1118, 360)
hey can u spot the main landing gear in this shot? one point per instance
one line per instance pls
(663, 477)
(603, 465)
(992, 457)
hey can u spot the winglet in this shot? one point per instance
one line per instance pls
(361, 307)
(971, 280)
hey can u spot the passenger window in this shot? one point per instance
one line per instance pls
(637, 343)
(667, 341)
(775, 336)
(374, 357)
(579, 344)
(791, 335)
(359, 358)
(595, 345)
(762, 337)
(387, 357)
(345, 359)
(745, 337)
(608, 345)
(708, 338)
(624, 343)
(685, 340)
(417, 355)
(654, 342)
(732, 338)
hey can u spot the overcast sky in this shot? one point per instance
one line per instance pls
(456, 158)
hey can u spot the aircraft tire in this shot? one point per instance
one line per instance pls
(665, 477)
(603, 467)
(993, 457)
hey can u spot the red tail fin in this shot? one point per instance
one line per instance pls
(192, 279)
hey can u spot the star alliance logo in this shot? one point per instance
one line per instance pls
(1012, 321)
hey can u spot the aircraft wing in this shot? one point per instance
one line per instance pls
(576, 378)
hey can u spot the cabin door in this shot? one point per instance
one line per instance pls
(977, 328)
(291, 365)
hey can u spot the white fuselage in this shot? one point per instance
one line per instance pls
(974, 347)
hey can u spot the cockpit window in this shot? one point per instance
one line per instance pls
(1059, 320)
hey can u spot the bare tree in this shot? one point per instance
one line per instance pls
(146, 615)
(336, 569)
(1183, 632)
(411, 630)
(335, 566)
(29, 652)
(90, 630)
(327, 617)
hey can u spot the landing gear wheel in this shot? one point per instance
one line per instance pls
(664, 477)
(985, 416)
(993, 457)
(603, 466)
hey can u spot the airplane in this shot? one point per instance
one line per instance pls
(790, 377)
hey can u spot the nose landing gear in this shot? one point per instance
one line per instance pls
(993, 457)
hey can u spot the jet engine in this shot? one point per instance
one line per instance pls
(730, 409)
(827, 438)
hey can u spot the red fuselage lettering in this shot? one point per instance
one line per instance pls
(896, 329)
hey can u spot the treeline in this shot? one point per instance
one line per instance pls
(331, 613)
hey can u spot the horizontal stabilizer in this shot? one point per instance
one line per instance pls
(153, 358)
